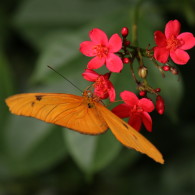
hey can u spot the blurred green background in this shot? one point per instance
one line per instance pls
(43, 159)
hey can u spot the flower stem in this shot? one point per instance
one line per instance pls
(135, 22)
(139, 57)
(132, 71)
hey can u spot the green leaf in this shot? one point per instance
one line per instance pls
(92, 153)
(26, 131)
(107, 149)
(82, 148)
(61, 53)
(32, 146)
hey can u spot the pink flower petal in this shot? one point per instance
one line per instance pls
(160, 39)
(147, 121)
(90, 75)
(172, 28)
(179, 56)
(146, 104)
(115, 43)
(161, 54)
(100, 93)
(114, 63)
(129, 98)
(112, 93)
(187, 39)
(95, 63)
(122, 110)
(135, 121)
(98, 36)
(86, 48)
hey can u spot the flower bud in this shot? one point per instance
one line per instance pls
(166, 68)
(142, 93)
(126, 60)
(124, 31)
(157, 90)
(126, 43)
(160, 105)
(142, 72)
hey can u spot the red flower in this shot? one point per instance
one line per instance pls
(103, 50)
(103, 88)
(172, 43)
(136, 109)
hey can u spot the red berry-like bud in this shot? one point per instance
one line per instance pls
(126, 43)
(124, 31)
(160, 105)
(158, 90)
(142, 93)
(126, 60)
(166, 68)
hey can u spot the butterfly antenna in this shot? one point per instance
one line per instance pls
(65, 78)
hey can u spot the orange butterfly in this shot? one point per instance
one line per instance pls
(84, 114)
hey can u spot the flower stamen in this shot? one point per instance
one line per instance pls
(173, 43)
(101, 51)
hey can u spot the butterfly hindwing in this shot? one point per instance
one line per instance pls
(128, 136)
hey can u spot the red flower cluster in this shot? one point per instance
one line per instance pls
(107, 52)
(103, 50)
(173, 43)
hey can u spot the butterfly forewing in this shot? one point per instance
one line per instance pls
(71, 111)
(129, 136)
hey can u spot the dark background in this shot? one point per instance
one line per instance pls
(39, 158)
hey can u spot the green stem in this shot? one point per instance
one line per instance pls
(135, 22)
(132, 71)
(139, 57)
(159, 67)
(134, 35)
